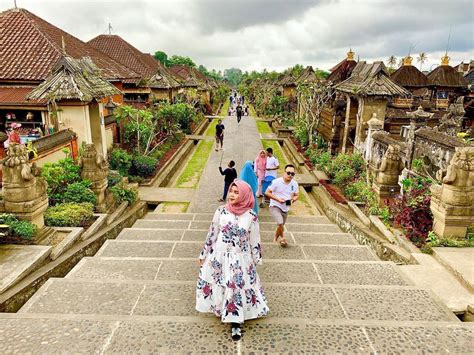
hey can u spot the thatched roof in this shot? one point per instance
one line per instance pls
(371, 80)
(74, 79)
(163, 79)
(343, 69)
(287, 79)
(446, 76)
(409, 76)
(470, 77)
(308, 76)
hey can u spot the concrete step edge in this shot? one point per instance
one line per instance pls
(207, 318)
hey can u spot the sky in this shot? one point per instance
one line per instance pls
(273, 34)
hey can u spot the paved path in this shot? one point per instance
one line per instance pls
(241, 143)
(327, 294)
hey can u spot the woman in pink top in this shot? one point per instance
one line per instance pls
(259, 169)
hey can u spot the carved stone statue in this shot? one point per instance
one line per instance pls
(452, 203)
(24, 192)
(451, 122)
(95, 169)
(386, 181)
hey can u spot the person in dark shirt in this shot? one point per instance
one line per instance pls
(219, 134)
(239, 112)
(230, 175)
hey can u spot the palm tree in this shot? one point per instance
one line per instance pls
(392, 61)
(422, 57)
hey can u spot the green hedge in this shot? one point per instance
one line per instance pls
(23, 229)
(69, 214)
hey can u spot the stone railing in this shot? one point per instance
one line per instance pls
(435, 148)
(379, 145)
(54, 140)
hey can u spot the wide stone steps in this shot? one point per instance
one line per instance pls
(264, 226)
(291, 301)
(191, 249)
(271, 271)
(207, 217)
(72, 333)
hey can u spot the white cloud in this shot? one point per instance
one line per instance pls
(273, 34)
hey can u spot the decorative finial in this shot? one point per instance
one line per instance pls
(63, 45)
(110, 28)
(14, 1)
(350, 55)
(445, 59)
(407, 61)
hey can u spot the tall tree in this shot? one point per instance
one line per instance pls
(162, 57)
(233, 76)
(422, 58)
(392, 61)
(181, 60)
(313, 97)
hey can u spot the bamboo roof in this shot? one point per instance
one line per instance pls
(446, 76)
(409, 76)
(371, 80)
(308, 76)
(74, 79)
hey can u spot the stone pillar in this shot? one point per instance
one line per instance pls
(95, 169)
(24, 192)
(346, 123)
(386, 182)
(452, 203)
(375, 125)
(418, 119)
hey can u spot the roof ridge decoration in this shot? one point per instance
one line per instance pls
(74, 79)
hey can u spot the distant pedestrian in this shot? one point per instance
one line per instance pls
(228, 284)
(247, 174)
(283, 192)
(230, 175)
(219, 135)
(260, 167)
(239, 111)
(243, 99)
(231, 100)
(246, 110)
(271, 169)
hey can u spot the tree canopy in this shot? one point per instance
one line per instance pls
(181, 60)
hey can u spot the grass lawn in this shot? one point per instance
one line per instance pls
(277, 152)
(224, 108)
(263, 127)
(191, 174)
(211, 130)
(252, 111)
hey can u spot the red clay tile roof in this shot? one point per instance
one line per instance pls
(123, 52)
(31, 47)
(16, 95)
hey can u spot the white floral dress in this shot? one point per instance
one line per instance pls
(228, 283)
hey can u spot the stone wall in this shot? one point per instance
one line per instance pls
(14, 298)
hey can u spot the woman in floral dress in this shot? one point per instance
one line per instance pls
(228, 283)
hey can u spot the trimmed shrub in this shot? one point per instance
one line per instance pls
(144, 166)
(23, 229)
(113, 178)
(80, 192)
(59, 176)
(122, 193)
(342, 177)
(121, 161)
(69, 214)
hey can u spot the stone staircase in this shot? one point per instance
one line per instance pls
(326, 294)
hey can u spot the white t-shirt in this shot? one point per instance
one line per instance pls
(272, 162)
(284, 191)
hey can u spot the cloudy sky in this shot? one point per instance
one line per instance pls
(272, 34)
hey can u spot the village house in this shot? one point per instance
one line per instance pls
(34, 50)
(191, 78)
(366, 93)
(155, 82)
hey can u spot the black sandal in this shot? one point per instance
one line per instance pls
(236, 331)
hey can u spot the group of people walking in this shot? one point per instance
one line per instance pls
(228, 283)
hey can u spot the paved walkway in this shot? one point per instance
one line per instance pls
(327, 294)
(241, 143)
